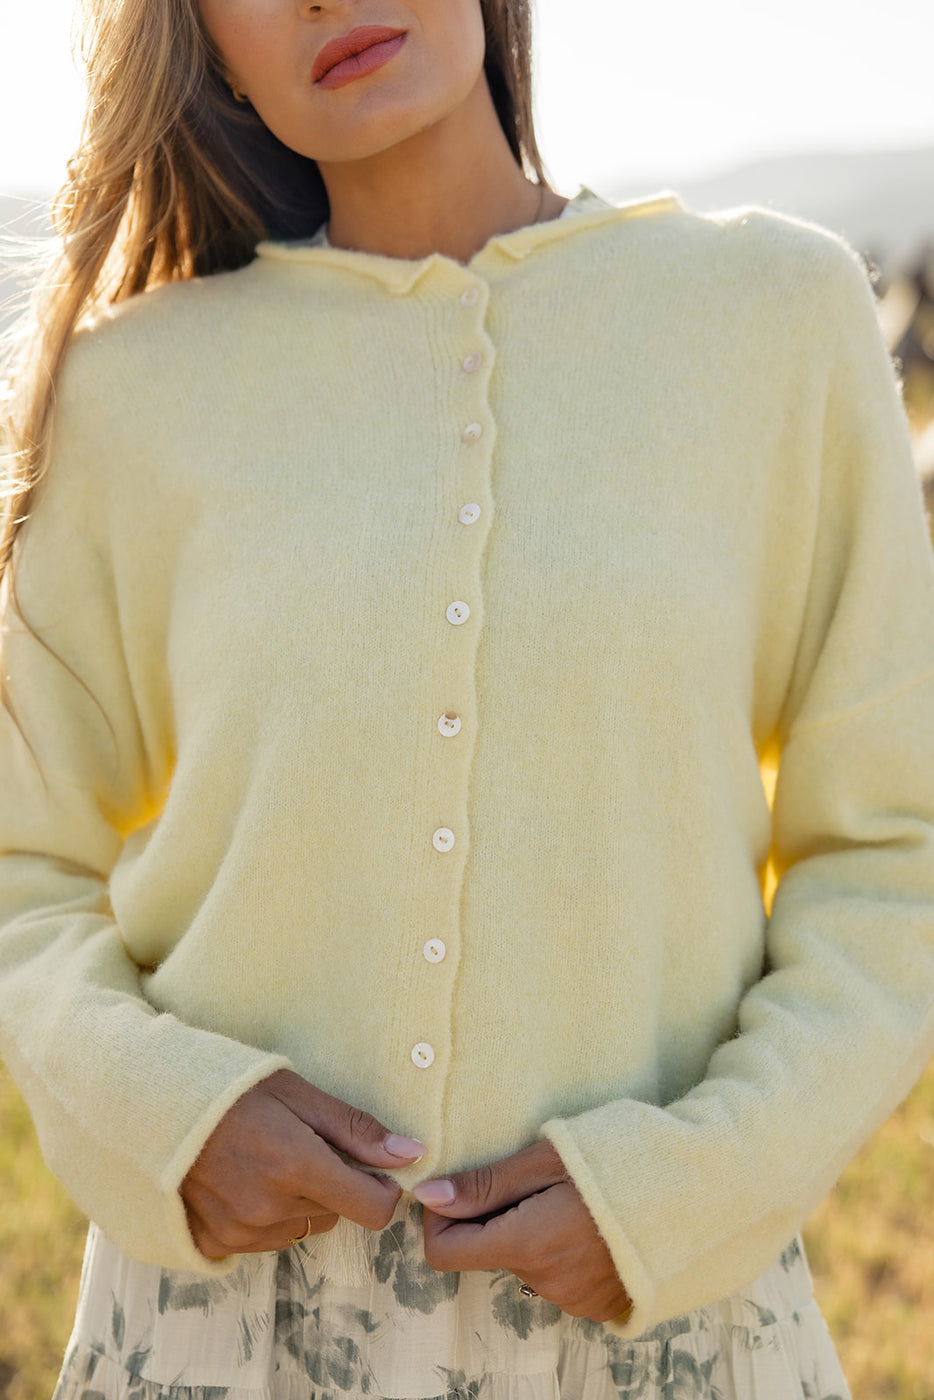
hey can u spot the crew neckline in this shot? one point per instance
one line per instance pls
(585, 209)
(584, 200)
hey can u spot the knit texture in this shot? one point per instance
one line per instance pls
(699, 539)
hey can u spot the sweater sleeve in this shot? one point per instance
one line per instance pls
(696, 1197)
(123, 1097)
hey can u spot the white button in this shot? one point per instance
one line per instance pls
(473, 362)
(434, 950)
(457, 613)
(470, 296)
(423, 1055)
(469, 515)
(443, 839)
(472, 433)
(449, 724)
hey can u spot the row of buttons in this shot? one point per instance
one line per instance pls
(450, 724)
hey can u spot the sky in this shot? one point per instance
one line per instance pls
(627, 92)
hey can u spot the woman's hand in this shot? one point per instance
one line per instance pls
(270, 1166)
(547, 1237)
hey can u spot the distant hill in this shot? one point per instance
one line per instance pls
(882, 202)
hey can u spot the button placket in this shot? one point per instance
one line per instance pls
(470, 357)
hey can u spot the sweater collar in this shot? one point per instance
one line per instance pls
(585, 210)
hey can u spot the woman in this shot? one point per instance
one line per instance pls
(401, 619)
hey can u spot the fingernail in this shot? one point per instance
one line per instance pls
(409, 1148)
(435, 1193)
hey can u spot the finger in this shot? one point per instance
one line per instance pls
(320, 1178)
(304, 1177)
(350, 1129)
(465, 1195)
(264, 1164)
(457, 1245)
(292, 1232)
(241, 1240)
(547, 1240)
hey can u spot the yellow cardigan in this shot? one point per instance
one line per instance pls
(410, 637)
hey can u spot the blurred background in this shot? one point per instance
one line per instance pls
(823, 109)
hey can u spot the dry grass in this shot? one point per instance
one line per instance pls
(871, 1246)
(41, 1239)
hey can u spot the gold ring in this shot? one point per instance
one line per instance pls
(299, 1239)
(526, 1291)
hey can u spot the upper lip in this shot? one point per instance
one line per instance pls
(336, 50)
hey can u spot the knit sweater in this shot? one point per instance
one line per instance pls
(407, 639)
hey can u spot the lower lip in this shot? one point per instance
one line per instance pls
(360, 64)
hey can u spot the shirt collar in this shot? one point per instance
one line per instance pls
(585, 210)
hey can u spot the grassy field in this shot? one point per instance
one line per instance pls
(41, 1238)
(871, 1246)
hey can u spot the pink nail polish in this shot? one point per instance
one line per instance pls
(409, 1149)
(435, 1193)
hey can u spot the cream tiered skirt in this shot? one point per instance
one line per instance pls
(361, 1316)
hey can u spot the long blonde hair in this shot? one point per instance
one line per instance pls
(174, 179)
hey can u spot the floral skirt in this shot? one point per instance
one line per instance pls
(355, 1315)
